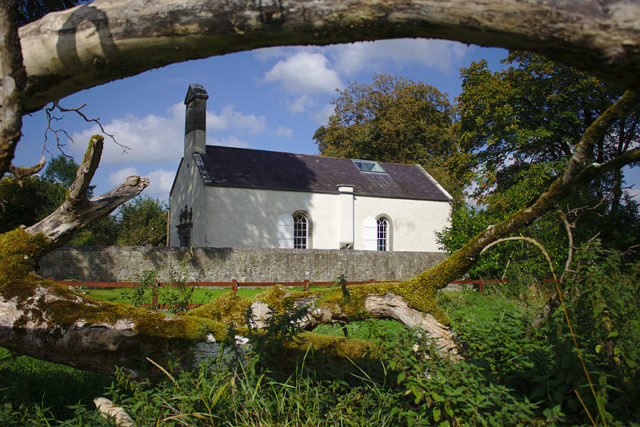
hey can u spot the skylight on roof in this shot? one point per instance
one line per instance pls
(368, 166)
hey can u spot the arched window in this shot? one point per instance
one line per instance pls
(300, 231)
(383, 234)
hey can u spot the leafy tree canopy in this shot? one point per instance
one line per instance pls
(28, 201)
(535, 111)
(520, 125)
(61, 169)
(143, 221)
(394, 119)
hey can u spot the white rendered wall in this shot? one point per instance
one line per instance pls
(248, 218)
(188, 190)
(413, 223)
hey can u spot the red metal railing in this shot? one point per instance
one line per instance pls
(235, 285)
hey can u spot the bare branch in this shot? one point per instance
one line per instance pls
(568, 228)
(526, 239)
(51, 117)
(77, 193)
(21, 173)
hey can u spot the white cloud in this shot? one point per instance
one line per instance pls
(161, 181)
(283, 131)
(154, 139)
(150, 139)
(635, 194)
(249, 123)
(300, 104)
(304, 72)
(440, 54)
(120, 176)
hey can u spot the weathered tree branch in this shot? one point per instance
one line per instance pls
(109, 39)
(21, 173)
(77, 210)
(14, 80)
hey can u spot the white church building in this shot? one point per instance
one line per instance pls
(242, 198)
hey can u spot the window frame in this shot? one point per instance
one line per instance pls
(301, 235)
(383, 234)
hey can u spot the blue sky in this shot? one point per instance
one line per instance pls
(272, 99)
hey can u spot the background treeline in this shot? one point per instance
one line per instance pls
(142, 221)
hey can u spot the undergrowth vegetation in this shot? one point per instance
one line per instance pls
(512, 373)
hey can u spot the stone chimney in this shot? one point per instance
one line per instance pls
(195, 126)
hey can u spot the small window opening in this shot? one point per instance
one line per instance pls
(368, 166)
(300, 231)
(383, 234)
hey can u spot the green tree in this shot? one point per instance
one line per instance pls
(394, 119)
(143, 221)
(535, 111)
(28, 201)
(61, 169)
(521, 125)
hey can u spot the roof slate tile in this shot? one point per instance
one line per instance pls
(260, 169)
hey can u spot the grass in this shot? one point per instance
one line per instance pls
(200, 295)
(512, 375)
(34, 383)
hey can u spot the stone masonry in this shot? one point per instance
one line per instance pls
(119, 264)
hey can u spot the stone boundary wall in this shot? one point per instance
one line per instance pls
(120, 264)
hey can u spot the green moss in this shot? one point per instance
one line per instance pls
(419, 293)
(353, 348)
(19, 252)
(227, 308)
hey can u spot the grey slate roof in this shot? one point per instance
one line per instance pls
(245, 168)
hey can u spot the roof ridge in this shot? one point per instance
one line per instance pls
(321, 156)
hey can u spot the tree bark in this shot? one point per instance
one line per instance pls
(94, 43)
(14, 80)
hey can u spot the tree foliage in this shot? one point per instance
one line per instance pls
(394, 119)
(61, 169)
(535, 111)
(27, 201)
(143, 221)
(521, 125)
